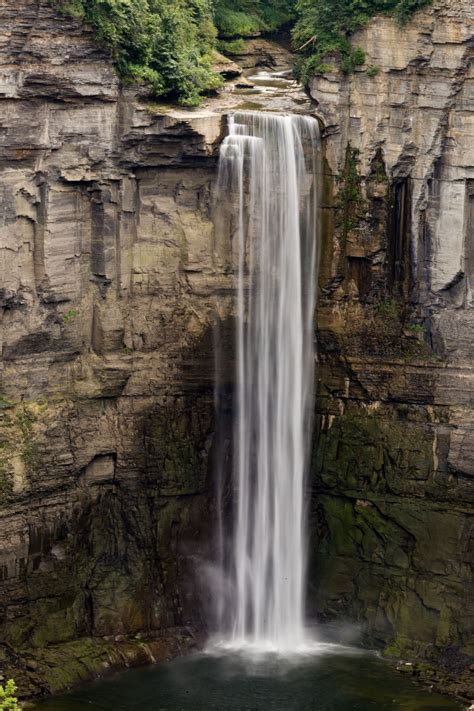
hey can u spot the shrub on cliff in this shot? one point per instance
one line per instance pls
(168, 43)
(324, 27)
(8, 700)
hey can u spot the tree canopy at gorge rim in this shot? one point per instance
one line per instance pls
(168, 43)
(171, 43)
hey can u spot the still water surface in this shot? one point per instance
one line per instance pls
(202, 682)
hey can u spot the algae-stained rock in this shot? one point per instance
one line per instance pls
(389, 565)
(107, 291)
(393, 491)
(392, 536)
(367, 451)
(178, 440)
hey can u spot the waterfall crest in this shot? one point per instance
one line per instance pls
(266, 200)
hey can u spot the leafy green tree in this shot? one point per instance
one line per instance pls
(168, 43)
(8, 700)
(244, 18)
(171, 44)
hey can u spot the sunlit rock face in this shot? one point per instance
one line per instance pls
(394, 466)
(107, 285)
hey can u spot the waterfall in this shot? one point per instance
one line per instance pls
(266, 202)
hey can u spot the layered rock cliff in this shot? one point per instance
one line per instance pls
(106, 407)
(393, 501)
(111, 281)
(109, 273)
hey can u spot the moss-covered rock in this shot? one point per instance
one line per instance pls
(55, 668)
(393, 493)
(384, 451)
(390, 550)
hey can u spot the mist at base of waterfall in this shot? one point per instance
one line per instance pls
(337, 679)
(329, 639)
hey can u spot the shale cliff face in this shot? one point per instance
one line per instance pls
(394, 458)
(106, 288)
(108, 278)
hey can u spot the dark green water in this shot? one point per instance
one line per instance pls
(329, 682)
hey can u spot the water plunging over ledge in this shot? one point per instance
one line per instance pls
(266, 200)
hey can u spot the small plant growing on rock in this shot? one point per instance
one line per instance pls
(351, 59)
(358, 57)
(416, 328)
(235, 46)
(373, 70)
(8, 700)
(69, 316)
(323, 68)
(5, 404)
(349, 203)
(388, 309)
(25, 419)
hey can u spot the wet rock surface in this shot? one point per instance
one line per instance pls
(109, 273)
(108, 280)
(393, 500)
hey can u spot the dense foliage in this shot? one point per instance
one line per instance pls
(244, 18)
(171, 43)
(324, 27)
(8, 700)
(168, 43)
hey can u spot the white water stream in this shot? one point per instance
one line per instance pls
(267, 197)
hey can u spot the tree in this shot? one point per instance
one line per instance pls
(167, 43)
(8, 700)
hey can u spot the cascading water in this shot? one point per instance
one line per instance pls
(266, 201)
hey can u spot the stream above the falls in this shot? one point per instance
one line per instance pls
(344, 680)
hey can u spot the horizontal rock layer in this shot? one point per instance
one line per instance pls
(109, 278)
(107, 288)
(393, 504)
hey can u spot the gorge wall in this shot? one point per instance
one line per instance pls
(108, 276)
(394, 454)
(106, 396)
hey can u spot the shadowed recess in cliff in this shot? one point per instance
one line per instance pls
(266, 203)
(399, 238)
